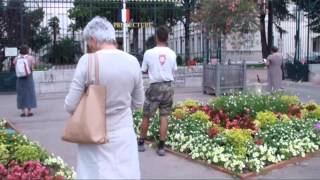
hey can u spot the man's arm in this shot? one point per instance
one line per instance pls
(175, 66)
(144, 67)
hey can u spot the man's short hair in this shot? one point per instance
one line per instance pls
(24, 49)
(162, 33)
(274, 49)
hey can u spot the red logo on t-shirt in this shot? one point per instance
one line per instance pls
(162, 59)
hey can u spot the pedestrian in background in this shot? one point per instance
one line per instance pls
(274, 63)
(26, 96)
(160, 63)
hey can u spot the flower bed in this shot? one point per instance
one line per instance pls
(22, 159)
(244, 132)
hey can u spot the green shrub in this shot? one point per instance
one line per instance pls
(237, 104)
(283, 132)
(180, 113)
(266, 118)
(200, 115)
(311, 110)
(42, 66)
(66, 51)
(25, 153)
(179, 60)
(4, 154)
(311, 106)
(289, 100)
(285, 118)
(239, 139)
(190, 103)
(313, 114)
(2, 123)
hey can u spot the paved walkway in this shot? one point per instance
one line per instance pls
(47, 124)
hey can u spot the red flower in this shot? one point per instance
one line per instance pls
(228, 125)
(235, 124)
(256, 129)
(217, 119)
(206, 108)
(259, 141)
(193, 109)
(299, 115)
(213, 132)
(247, 110)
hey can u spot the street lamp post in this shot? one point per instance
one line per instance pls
(124, 27)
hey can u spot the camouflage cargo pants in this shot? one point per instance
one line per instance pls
(158, 95)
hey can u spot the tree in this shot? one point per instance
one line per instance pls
(2, 22)
(55, 29)
(65, 51)
(42, 38)
(151, 43)
(2, 30)
(226, 17)
(188, 7)
(159, 12)
(312, 7)
(277, 11)
(19, 25)
(72, 29)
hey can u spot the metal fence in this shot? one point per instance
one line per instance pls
(221, 79)
(300, 43)
(53, 30)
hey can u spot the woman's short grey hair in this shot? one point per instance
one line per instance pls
(100, 29)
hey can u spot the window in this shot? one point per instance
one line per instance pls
(316, 44)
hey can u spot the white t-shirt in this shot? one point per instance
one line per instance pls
(160, 62)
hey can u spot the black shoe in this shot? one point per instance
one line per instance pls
(141, 147)
(161, 152)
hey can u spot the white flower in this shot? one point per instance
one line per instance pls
(60, 173)
(255, 154)
(215, 159)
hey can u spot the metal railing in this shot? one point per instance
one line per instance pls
(221, 79)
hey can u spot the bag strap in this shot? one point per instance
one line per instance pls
(96, 68)
(97, 72)
(89, 69)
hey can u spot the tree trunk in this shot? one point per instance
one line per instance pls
(135, 40)
(270, 26)
(54, 38)
(187, 34)
(264, 44)
(73, 34)
(144, 39)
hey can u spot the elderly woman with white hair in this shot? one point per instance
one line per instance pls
(121, 75)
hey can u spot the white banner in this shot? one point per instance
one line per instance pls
(10, 51)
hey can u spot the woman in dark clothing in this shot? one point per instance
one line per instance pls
(26, 96)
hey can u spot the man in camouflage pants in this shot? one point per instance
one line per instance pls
(160, 63)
